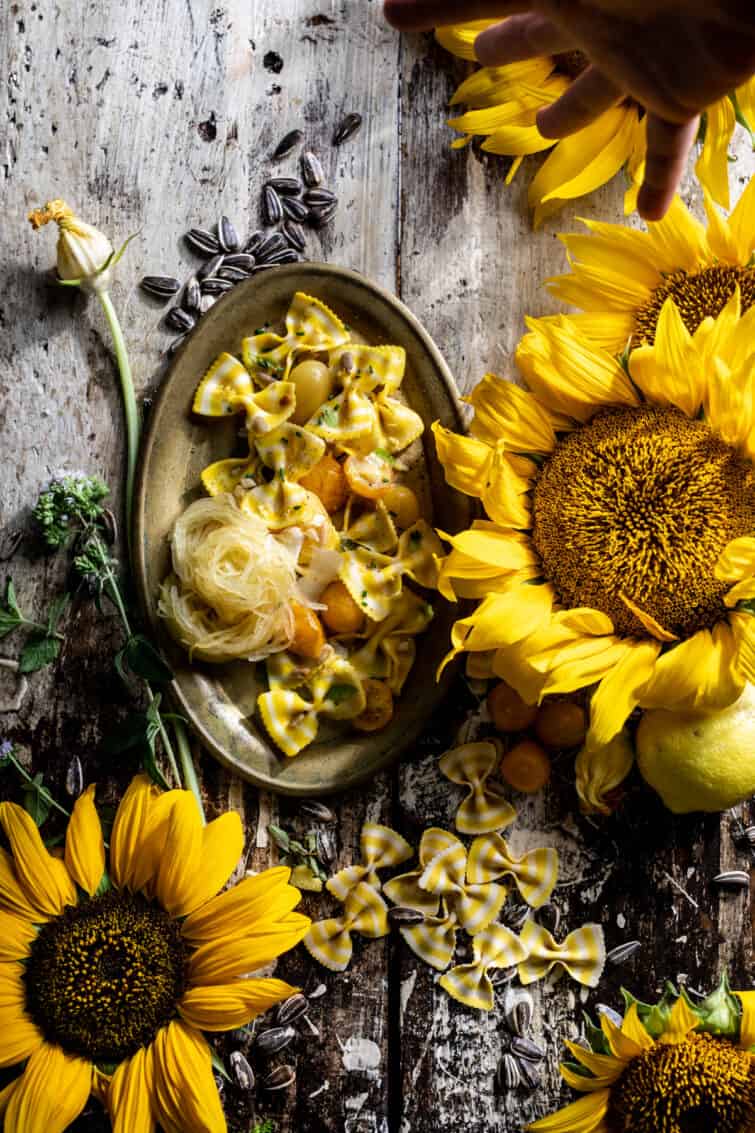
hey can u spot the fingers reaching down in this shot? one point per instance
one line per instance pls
(586, 99)
(520, 37)
(667, 148)
(422, 15)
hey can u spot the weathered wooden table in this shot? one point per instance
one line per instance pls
(153, 116)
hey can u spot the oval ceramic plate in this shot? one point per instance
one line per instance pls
(219, 700)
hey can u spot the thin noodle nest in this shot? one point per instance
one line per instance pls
(229, 596)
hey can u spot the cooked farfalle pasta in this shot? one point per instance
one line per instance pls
(312, 518)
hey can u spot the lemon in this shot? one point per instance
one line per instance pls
(700, 761)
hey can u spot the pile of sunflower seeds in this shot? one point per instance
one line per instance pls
(520, 1064)
(289, 205)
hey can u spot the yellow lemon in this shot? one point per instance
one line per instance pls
(700, 761)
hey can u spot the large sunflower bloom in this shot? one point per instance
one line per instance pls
(619, 549)
(109, 976)
(666, 1069)
(503, 102)
(621, 277)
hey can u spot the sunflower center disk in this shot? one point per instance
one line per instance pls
(697, 296)
(105, 976)
(641, 502)
(699, 1085)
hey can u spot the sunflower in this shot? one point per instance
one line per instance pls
(502, 106)
(621, 277)
(675, 1067)
(109, 976)
(618, 551)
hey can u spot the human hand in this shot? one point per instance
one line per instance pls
(674, 57)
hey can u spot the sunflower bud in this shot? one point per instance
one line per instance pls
(600, 770)
(84, 253)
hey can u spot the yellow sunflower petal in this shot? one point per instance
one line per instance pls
(130, 1092)
(6, 1094)
(669, 372)
(495, 546)
(679, 240)
(568, 374)
(743, 628)
(19, 1037)
(699, 673)
(747, 1022)
(608, 330)
(585, 1084)
(12, 893)
(633, 1029)
(16, 936)
(730, 404)
(464, 459)
(177, 871)
(459, 39)
(737, 560)
(648, 622)
(742, 219)
(130, 827)
(503, 619)
(44, 877)
(505, 412)
(221, 847)
(583, 1116)
(606, 265)
(740, 592)
(186, 1097)
(601, 1065)
(504, 496)
(628, 1041)
(254, 901)
(583, 663)
(712, 168)
(619, 692)
(223, 1007)
(681, 1022)
(219, 961)
(51, 1093)
(85, 848)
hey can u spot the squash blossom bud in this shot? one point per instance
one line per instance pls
(83, 251)
(600, 770)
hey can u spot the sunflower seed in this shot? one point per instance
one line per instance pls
(604, 1009)
(749, 834)
(180, 319)
(272, 209)
(286, 144)
(280, 1078)
(317, 992)
(284, 256)
(623, 952)
(242, 1071)
(305, 1021)
(292, 1008)
(228, 237)
(215, 286)
(732, 879)
(209, 267)
(243, 260)
(515, 915)
(319, 811)
(192, 295)
(176, 344)
(327, 850)
(518, 1009)
(75, 778)
(403, 915)
(235, 275)
(549, 916)
(207, 302)
(507, 1074)
(256, 239)
(286, 186)
(311, 169)
(346, 128)
(500, 976)
(527, 1049)
(321, 215)
(276, 1038)
(530, 1074)
(320, 197)
(274, 243)
(161, 286)
(294, 208)
(203, 241)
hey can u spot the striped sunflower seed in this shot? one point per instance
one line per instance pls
(321, 215)
(242, 1071)
(518, 1012)
(319, 811)
(285, 256)
(291, 1009)
(243, 260)
(280, 1078)
(530, 1074)
(235, 275)
(749, 834)
(272, 209)
(346, 128)
(286, 186)
(317, 992)
(623, 952)
(215, 286)
(286, 144)
(203, 241)
(403, 915)
(311, 169)
(192, 296)
(294, 208)
(507, 1074)
(228, 237)
(500, 976)
(180, 319)
(74, 778)
(161, 286)
(320, 197)
(732, 879)
(272, 244)
(210, 267)
(207, 302)
(254, 241)
(176, 344)
(526, 1049)
(273, 1040)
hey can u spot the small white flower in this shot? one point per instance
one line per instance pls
(84, 253)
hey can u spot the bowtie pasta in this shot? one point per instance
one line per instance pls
(304, 553)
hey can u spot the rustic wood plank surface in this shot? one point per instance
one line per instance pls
(151, 116)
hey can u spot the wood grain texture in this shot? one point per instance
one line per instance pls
(151, 116)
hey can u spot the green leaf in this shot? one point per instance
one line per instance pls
(144, 661)
(35, 802)
(39, 650)
(8, 622)
(383, 453)
(10, 599)
(10, 617)
(56, 611)
(338, 693)
(104, 885)
(280, 837)
(720, 1012)
(597, 1040)
(149, 763)
(217, 1065)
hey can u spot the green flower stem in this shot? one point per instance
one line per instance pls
(129, 403)
(28, 779)
(190, 781)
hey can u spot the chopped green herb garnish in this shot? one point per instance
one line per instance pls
(339, 693)
(383, 453)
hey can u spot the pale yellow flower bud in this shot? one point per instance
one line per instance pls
(83, 251)
(600, 770)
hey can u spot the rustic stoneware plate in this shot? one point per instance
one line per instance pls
(219, 700)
